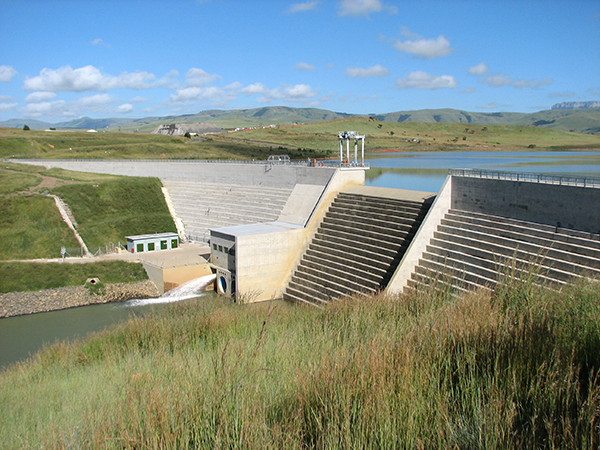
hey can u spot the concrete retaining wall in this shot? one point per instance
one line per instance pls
(283, 176)
(564, 206)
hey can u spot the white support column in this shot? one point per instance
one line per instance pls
(341, 150)
(356, 150)
(363, 149)
(347, 150)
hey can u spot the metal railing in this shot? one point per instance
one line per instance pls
(527, 177)
(307, 163)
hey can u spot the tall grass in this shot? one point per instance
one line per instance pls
(410, 371)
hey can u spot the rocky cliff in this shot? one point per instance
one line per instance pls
(576, 105)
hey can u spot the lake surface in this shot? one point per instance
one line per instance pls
(426, 171)
(420, 171)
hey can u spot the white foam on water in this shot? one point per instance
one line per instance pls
(190, 289)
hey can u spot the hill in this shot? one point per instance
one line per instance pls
(579, 120)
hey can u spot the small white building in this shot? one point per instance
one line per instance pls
(152, 242)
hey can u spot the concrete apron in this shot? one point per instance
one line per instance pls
(167, 269)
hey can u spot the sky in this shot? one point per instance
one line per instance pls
(65, 59)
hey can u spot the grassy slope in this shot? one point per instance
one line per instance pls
(107, 208)
(110, 210)
(19, 276)
(514, 369)
(31, 227)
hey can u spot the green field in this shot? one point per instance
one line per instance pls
(15, 143)
(381, 136)
(517, 368)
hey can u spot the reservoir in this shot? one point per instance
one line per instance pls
(22, 336)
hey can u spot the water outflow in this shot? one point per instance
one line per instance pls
(190, 289)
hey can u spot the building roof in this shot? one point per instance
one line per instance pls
(140, 237)
(256, 228)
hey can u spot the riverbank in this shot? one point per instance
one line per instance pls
(20, 303)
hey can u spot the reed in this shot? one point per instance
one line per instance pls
(422, 370)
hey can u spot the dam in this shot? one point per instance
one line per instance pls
(310, 234)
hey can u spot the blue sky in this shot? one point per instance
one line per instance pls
(66, 59)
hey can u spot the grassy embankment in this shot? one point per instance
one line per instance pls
(517, 368)
(107, 208)
(29, 276)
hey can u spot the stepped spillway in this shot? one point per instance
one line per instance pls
(357, 246)
(202, 206)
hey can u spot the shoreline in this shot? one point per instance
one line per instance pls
(22, 303)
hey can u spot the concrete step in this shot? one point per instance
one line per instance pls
(550, 269)
(492, 241)
(374, 240)
(375, 213)
(341, 256)
(299, 294)
(307, 285)
(368, 270)
(357, 199)
(381, 235)
(353, 278)
(586, 239)
(344, 242)
(443, 280)
(391, 227)
(333, 287)
(522, 234)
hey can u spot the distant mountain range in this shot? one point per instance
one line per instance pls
(577, 119)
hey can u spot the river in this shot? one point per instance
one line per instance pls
(422, 171)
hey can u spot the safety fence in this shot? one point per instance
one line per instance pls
(528, 177)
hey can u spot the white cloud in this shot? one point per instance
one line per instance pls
(492, 105)
(373, 71)
(298, 92)
(7, 73)
(480, 69)
(567, 94)
(6, 98)
(302, 7)
(124, 108)
(357, 8)
(423, 80)
(50, 109)
(500, 80)
(36, 97)
(468, 90)
(425, 48)
(256, 88)
(196, 94)
(99, 43)
(138, 99)
(304, 66)
(7, 106)
(87, 78)
(99, 103)
(199, 77)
